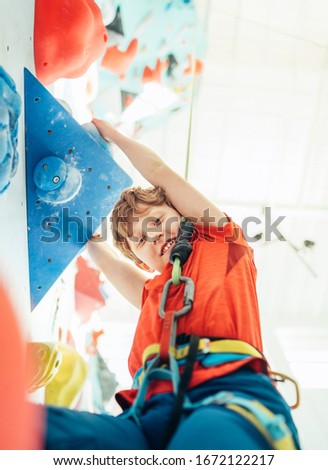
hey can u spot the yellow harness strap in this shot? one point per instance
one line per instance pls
(271, 426)
(232, 346)
(206, 346)
(286, 442)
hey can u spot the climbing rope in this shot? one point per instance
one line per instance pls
(192, 99)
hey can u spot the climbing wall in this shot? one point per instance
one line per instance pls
(54, 171)
(72, 184)
(155, 49)
(58, 178)
(16, 51)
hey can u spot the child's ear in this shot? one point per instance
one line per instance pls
(144, 267)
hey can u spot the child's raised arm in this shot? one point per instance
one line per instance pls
(126, 278)
(186, 199)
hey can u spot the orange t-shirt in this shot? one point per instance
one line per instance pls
(225, 302)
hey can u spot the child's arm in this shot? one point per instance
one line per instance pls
(186, 199)
(126, 278)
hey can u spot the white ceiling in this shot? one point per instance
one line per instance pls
(260, 139)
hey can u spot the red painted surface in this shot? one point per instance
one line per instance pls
(153, 75)
(117, 61)
(88, 296)
(20, 424)
(68, 38)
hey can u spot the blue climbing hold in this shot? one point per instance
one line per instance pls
(56, 181)
(50, 173)
(72, 183)
(10, 109)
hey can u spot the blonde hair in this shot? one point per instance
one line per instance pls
(132, 201)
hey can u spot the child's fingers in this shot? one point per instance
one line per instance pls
(103, 128)
(100, 234)
(96, 237)
(101, 124)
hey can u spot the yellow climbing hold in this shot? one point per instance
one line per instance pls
(64, 389)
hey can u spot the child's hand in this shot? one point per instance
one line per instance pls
(100, 234)
(105, 129)
(96, 237)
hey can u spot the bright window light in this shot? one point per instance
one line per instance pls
(306, 350)
(154, 98)
(309, 367)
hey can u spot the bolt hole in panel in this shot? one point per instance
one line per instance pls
(60, 221)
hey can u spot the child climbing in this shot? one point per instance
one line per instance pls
(200, 380)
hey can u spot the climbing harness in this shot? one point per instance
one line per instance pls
(209, 353)
(272, 426)
(169, 361)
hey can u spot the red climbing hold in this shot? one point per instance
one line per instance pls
(88, 295)
(198, 66)
(68, 38)
(117, 61)
(153, 75)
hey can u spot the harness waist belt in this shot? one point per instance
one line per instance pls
(206, 346)
(210, 353)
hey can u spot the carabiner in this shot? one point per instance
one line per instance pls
(188, 298)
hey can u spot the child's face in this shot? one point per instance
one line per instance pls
(153, 235)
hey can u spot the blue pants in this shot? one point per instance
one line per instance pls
(207, 427)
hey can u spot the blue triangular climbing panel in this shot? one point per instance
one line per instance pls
(72, 184)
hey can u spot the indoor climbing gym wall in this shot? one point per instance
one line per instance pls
(16, 51)
(132, 63)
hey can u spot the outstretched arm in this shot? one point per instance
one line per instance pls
(186, 199)
(126, 278)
